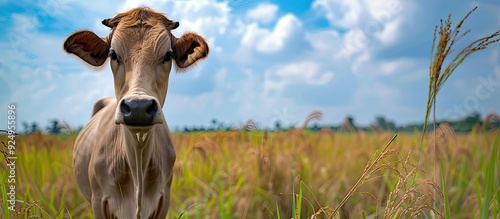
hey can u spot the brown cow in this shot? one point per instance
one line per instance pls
(123, 158)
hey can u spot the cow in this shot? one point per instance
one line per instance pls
(123, 158)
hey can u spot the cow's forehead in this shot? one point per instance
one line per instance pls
(141, 43)
(140, 29)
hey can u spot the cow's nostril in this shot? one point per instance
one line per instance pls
(152, 109)
(125, 109)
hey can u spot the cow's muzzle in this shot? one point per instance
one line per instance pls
(138, 112)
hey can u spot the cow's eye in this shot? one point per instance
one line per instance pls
(168, 56)
(112, 55)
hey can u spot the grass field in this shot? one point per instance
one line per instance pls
(256, 174)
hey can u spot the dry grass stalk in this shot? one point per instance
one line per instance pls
(490, 118)
(314, 115)
(325, 132)
(249, 125)
(364, 175)
(408, 199)
(375, 128)
(327, 211)
(65, 127)
(441, 141)
(346, 126)
(438, 74)
(5, 154)
(295, 134)
(203, 145)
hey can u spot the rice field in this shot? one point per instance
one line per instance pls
(249, 173)
(293, 174)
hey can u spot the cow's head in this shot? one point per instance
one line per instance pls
(141, 48)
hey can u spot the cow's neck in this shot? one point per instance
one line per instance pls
(138, 154)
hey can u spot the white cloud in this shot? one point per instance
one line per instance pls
(252, 34)
(287, 30)
(23, 32)
(394, 66)
(246, 89)
(325, 42)
(364, 66)
(340, 13)
(211, 20)
(494, 61)
(220, 77)
(264, 13)
(198, 104)
(129, 4)
(378, 93)
(390, 32)
(54, 7)
(368, 24)
(25, 25)
(360, 62)
(383, 11)
(303, 72)
(356, 13)
(99, 8)
(46, 92)
(207, 17)
(354, 42)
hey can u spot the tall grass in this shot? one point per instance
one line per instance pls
(300, 174)
(438, 74)
(446, 37)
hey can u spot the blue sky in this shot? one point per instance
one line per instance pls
(270, 60)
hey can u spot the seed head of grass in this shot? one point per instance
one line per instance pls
(364, 175)
(314, 115)
(448, 36)
(347, 126)
(249, 125)
(490, 118)
(409, 199)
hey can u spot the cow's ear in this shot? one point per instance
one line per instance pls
(88, 46)
(189, 49)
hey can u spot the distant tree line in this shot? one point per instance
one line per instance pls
(54, 126)
(465, 124)
(381, 123)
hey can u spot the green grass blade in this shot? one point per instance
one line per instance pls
(299, 202)
(5, 204)
(497, 183)
(293, 201)
(278, 211)
(447, 212)
(477, 189)
(490, 185)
